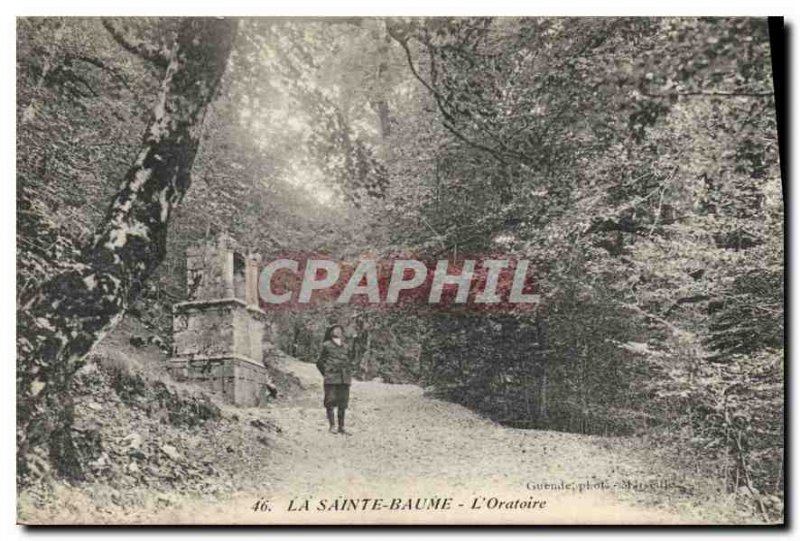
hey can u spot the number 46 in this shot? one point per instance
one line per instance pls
(262, 505)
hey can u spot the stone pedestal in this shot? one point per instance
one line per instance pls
(218, 333)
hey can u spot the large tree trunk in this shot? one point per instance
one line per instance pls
(70, 313)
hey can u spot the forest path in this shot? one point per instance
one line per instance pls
(406, 445)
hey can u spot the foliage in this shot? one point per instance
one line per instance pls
(634, 161)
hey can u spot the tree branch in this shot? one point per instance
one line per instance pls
(105, 67)
(142, 49)
(447, 117)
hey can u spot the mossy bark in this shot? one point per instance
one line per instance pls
(70, 313)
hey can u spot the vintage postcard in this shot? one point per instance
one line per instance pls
(411, 270)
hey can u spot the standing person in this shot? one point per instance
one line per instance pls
(335, 366)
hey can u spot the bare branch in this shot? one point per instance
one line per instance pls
(140, 48)
(447, 117)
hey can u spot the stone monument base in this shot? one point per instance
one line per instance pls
(240, 381)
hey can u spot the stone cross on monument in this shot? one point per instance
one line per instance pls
(218, 330)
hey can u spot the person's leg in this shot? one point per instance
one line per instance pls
(329, 412)
(343, 400)
(329, 403)
(340, 418)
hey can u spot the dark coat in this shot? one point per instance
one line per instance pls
(334, 363)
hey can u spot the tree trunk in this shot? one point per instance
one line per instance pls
(70, 313)
(380, 104)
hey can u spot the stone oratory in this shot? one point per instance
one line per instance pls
(218, 331)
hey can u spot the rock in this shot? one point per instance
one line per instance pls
(132, 441)
(94, 406)
(101, 462)
(133, 467)
(171, 452)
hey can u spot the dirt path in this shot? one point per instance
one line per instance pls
(406, 446)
